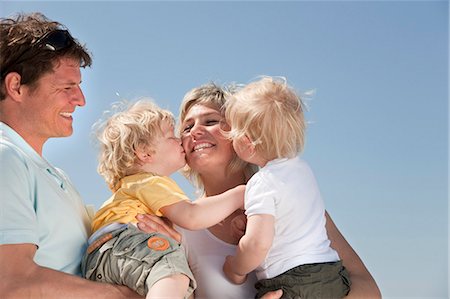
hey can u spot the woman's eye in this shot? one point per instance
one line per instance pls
(187, 128)
(212, 121)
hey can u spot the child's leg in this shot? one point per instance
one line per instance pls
(174, 286)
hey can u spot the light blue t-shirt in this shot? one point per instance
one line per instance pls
(39, 205)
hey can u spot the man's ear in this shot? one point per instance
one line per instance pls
(13, 87)
(144, 156)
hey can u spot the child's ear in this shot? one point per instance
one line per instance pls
(144, 156)
(249, 144)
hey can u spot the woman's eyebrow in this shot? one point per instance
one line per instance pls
(203, 115)
(211, 114)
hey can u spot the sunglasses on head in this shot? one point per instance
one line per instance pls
(51, 41)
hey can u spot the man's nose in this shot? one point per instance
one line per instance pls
(78, 97)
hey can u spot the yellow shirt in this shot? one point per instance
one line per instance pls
(142, 193)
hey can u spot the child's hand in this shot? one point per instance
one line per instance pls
(230, 274)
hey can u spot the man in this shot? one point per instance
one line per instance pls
(44, 225)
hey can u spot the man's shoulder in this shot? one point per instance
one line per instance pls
(10, 151)
(16, 167)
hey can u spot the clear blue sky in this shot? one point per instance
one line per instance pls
(378, 138)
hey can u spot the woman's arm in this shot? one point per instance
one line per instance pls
(363, 284)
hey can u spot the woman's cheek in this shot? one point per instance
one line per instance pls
(185, 144)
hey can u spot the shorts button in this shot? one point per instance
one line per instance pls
(99, 276)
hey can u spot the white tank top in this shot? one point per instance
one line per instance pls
(206, 254)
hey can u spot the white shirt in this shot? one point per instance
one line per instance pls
(206, 255)
(287, 189)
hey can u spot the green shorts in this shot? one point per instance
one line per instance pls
(135, 259)
(321, 280)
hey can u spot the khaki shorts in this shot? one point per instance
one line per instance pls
(136, 259)
(321, 280)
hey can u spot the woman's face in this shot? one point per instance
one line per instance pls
(204, 144)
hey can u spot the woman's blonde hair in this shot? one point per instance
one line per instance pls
(270, 113)
(131, 127)
(213, 96)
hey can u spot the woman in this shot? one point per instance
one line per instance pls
(213, 168)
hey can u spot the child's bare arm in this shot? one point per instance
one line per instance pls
(252, 249)
(205, 212)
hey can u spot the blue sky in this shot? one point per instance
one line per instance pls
(378, 134)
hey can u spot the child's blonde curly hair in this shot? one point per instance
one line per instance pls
(134, 126)
(270, 113)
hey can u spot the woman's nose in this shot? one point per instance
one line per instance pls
(197, 130)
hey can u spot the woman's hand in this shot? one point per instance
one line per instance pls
(273, 294)
(151, 223)
(238, 225)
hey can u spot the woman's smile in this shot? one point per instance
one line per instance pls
(201, 146)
